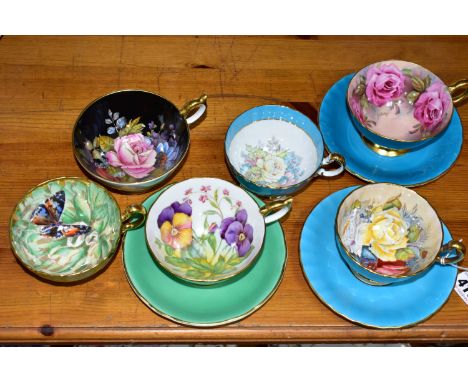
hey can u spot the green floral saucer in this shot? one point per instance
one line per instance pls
(204, 306)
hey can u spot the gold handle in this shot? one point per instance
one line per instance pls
(459, 91)
(190, 106)
(458, 246)
(275, 210)
(133, 217)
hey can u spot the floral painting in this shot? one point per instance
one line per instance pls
(386, 238)
(65, 227)
(269, 164)
(132, 150)
(386, 89)
(224, 242)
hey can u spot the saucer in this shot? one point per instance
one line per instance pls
(392, 306)
(204, 305)
(413, 168)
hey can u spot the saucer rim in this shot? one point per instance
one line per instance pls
(212, 324)
(409, 185)
(354, 321)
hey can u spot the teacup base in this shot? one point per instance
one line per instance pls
(382, 150)
(365, 280)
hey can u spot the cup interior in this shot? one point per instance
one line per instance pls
(130, 137)
(274, 146)
(400, 101)
(389, 229)
(204, 229)
(65, 227)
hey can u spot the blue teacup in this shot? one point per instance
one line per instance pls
(273, 151)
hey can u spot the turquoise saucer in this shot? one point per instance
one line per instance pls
(414, 168)
(204, 305)
(393, 306)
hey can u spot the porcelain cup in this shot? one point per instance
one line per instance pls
(398, 106)
(274, 151)
(133, 140)
(206, 230)
(67, 229)
(387, 233)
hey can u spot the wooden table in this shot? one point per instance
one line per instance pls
(46, 81)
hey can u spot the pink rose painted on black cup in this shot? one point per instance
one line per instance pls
(133, 154)
(384, 83)
(432, 105)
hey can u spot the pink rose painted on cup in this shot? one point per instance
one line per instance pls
(431, 106)
(357, 110)
(133, 154)
(384, 84)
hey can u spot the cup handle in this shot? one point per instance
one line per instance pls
(133, 217)
(274, 211)
(459, 91)
(332, 158)
(199, 104)
(458, 246)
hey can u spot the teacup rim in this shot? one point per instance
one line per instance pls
(71, 277)
(297, 185)
(128, 185)
(384, 136)
(392, 277)
(193, 280)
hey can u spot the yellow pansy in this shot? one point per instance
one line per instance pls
(385, 234)
(178, 233)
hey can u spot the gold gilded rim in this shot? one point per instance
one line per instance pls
(129, 185)
(384, 136)
(407, 276)
(205, 281)
(72, 277)
(297, 185)
(357, 322)
(214, 324)
(356, 174)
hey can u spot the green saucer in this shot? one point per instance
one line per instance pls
(204, 306)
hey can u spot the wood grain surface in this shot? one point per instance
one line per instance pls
(46, 81)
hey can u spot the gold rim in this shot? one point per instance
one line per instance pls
(408, 276)
(382, 150)
(383, 136)
(214, 324)
(198, 281)
(72, 277)
(373, 181)
(128, 186)
(300, 184)
(360, 323)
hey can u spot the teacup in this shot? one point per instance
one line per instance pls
(273, 150)
(399, 106)
(205, 230)
(132, 140)
(387, 233)
(67, 229)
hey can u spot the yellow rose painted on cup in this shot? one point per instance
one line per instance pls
(387, 238)
(386, 234)
(272, 167)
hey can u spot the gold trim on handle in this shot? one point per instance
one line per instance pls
(133, 217)
(458, 246)
(191, 105)
(271, 207)
(459, 91)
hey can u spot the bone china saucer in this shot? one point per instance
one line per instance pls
(204, 305)
(413, 168)
(391, 306)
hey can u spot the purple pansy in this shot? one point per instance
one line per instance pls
(236, 231)
(168, 213)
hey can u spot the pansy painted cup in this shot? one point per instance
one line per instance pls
(67, 229)
(398, 106)
(205, 230)
(273, 150)
(132, 140)
(387, 233)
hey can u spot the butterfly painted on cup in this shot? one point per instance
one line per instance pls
(48, 215)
